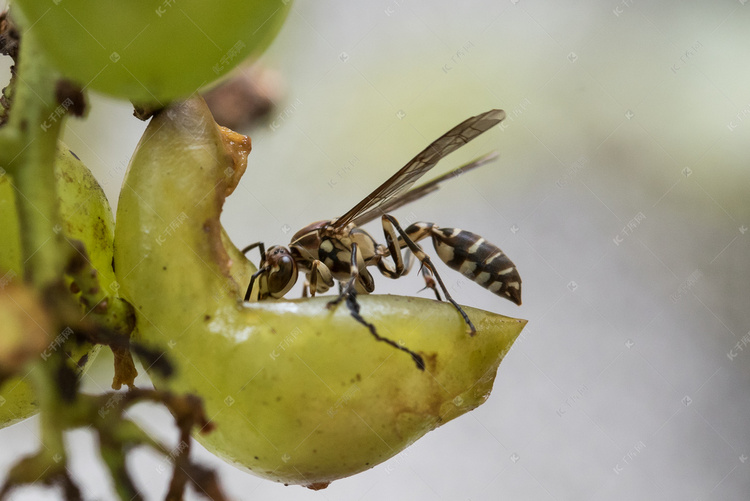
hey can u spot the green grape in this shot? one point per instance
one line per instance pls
(151, 52)
(298, 393)
(86, 216)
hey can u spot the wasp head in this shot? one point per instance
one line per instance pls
(282, 273)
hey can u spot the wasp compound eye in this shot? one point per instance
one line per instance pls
(283, 271)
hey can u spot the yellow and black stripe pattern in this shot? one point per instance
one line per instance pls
(474, 257)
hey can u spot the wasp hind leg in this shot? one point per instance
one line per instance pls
(429, 282)
(427, 263)
(401, 266)
(349, 293)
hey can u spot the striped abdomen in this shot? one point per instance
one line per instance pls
(479, 260)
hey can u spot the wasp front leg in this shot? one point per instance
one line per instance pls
(261, 271)
(420, 232)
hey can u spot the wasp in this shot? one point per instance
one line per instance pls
(338, 249)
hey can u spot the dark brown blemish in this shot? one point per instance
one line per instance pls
(316, 486)
(82, 361)
(71, 97)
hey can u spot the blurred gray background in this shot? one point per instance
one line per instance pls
(620, 193)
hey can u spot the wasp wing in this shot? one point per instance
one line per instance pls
(420, 191)
(424, 161)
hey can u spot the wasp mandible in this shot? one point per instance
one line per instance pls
(338, 249)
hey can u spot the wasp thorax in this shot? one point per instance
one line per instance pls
(305, 244)
(308, 236)
(283, 271)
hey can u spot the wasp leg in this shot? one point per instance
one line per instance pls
(253, 246)
(353, 305)
(387, 269)
(319, 272)
(427, 262)
(262, 269)
(258, 273)
(429, 282)
(394, 245)
(349, 293)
